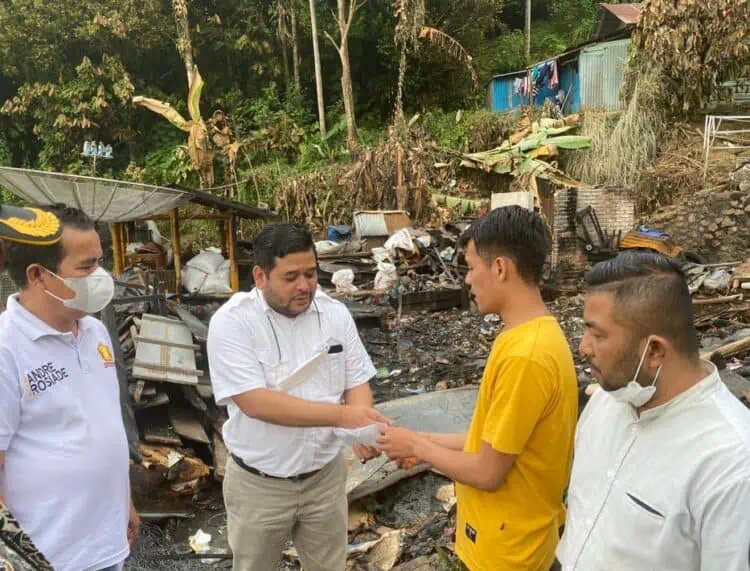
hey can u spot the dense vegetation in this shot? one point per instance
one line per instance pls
(69, 71)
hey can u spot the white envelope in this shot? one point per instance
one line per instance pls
(302, 373)
(366, 435)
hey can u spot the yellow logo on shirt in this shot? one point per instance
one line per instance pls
(106, 354)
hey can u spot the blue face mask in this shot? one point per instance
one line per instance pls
(634, 393)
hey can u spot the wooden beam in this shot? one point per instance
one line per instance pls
(715, 300)
(174, 219)
(234, 274)
(728, 350)
(165, 217)
(119, 262)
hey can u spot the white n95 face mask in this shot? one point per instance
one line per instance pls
(634, 393)
(92, 292)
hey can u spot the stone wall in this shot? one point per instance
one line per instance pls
(713, 224)
(615, 210)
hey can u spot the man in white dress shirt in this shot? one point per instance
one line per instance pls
(282, 358)
(661, 476)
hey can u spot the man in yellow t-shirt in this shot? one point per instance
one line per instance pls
(512, 466)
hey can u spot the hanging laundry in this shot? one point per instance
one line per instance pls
(517, 86)
(535, 73)
(554, 80)
(524, 87)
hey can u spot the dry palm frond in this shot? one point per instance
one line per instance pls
(451, 46)
(622, 147)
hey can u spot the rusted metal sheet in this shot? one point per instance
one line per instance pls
(626, 13)
(602, 71)
(372, 223)
(164, 351)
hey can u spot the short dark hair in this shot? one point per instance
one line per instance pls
(651, 297)
(515, 232)
(279, 240)
(18, 257)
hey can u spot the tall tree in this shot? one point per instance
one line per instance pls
(318, 74)
(295, 47)
(184, 42)
(347, 9)
(284, 36)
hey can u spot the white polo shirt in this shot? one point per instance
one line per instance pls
(66, 465)
(250, 346)
(669, 491)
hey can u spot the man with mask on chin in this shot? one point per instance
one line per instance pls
(63, 449)
(661, 476)
(283, 357)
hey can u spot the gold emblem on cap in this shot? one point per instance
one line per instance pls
(44, 224)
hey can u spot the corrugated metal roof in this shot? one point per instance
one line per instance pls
(602, 70)
(626, 13)
(371, 223)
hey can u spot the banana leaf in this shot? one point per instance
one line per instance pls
(165, 110)
(571, 142)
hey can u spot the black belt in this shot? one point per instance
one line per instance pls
(297, 478)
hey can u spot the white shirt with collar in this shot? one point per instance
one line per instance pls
(666, 491)
(66, 465)
(251, 346)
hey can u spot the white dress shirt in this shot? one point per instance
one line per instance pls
(250, 346)
(667, 491)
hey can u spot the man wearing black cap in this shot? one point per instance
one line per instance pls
(17, 551)
(63, 449)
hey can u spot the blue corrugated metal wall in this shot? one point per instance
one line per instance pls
(503, 99)
(568, 76)
(593, 79)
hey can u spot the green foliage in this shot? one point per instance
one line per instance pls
(69, 68)
(93, 105)
(467, 132)
(5, 154)
(168, 165)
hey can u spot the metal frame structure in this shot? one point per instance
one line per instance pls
(712, 131)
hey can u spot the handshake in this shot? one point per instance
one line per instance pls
(395, 442)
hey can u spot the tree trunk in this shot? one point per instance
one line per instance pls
(284, 41)
(318, 74)
(184, 43)
(527, 27)
(345, 21)
(352, 137)
(295, 50)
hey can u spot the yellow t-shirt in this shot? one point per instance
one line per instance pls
(527, 406)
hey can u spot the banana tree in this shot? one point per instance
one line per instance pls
(199, 143)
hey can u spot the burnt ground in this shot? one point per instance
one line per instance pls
(440, 350)
(424, 352)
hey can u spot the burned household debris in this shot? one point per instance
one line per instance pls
(402, 278)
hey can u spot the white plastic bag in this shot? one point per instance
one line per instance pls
(207, 273)
(325, 247)
(344, 281)
(401, 240)
(382, 255)
(718, 280)
(207, 261)
(218, 282)
(386, 277)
